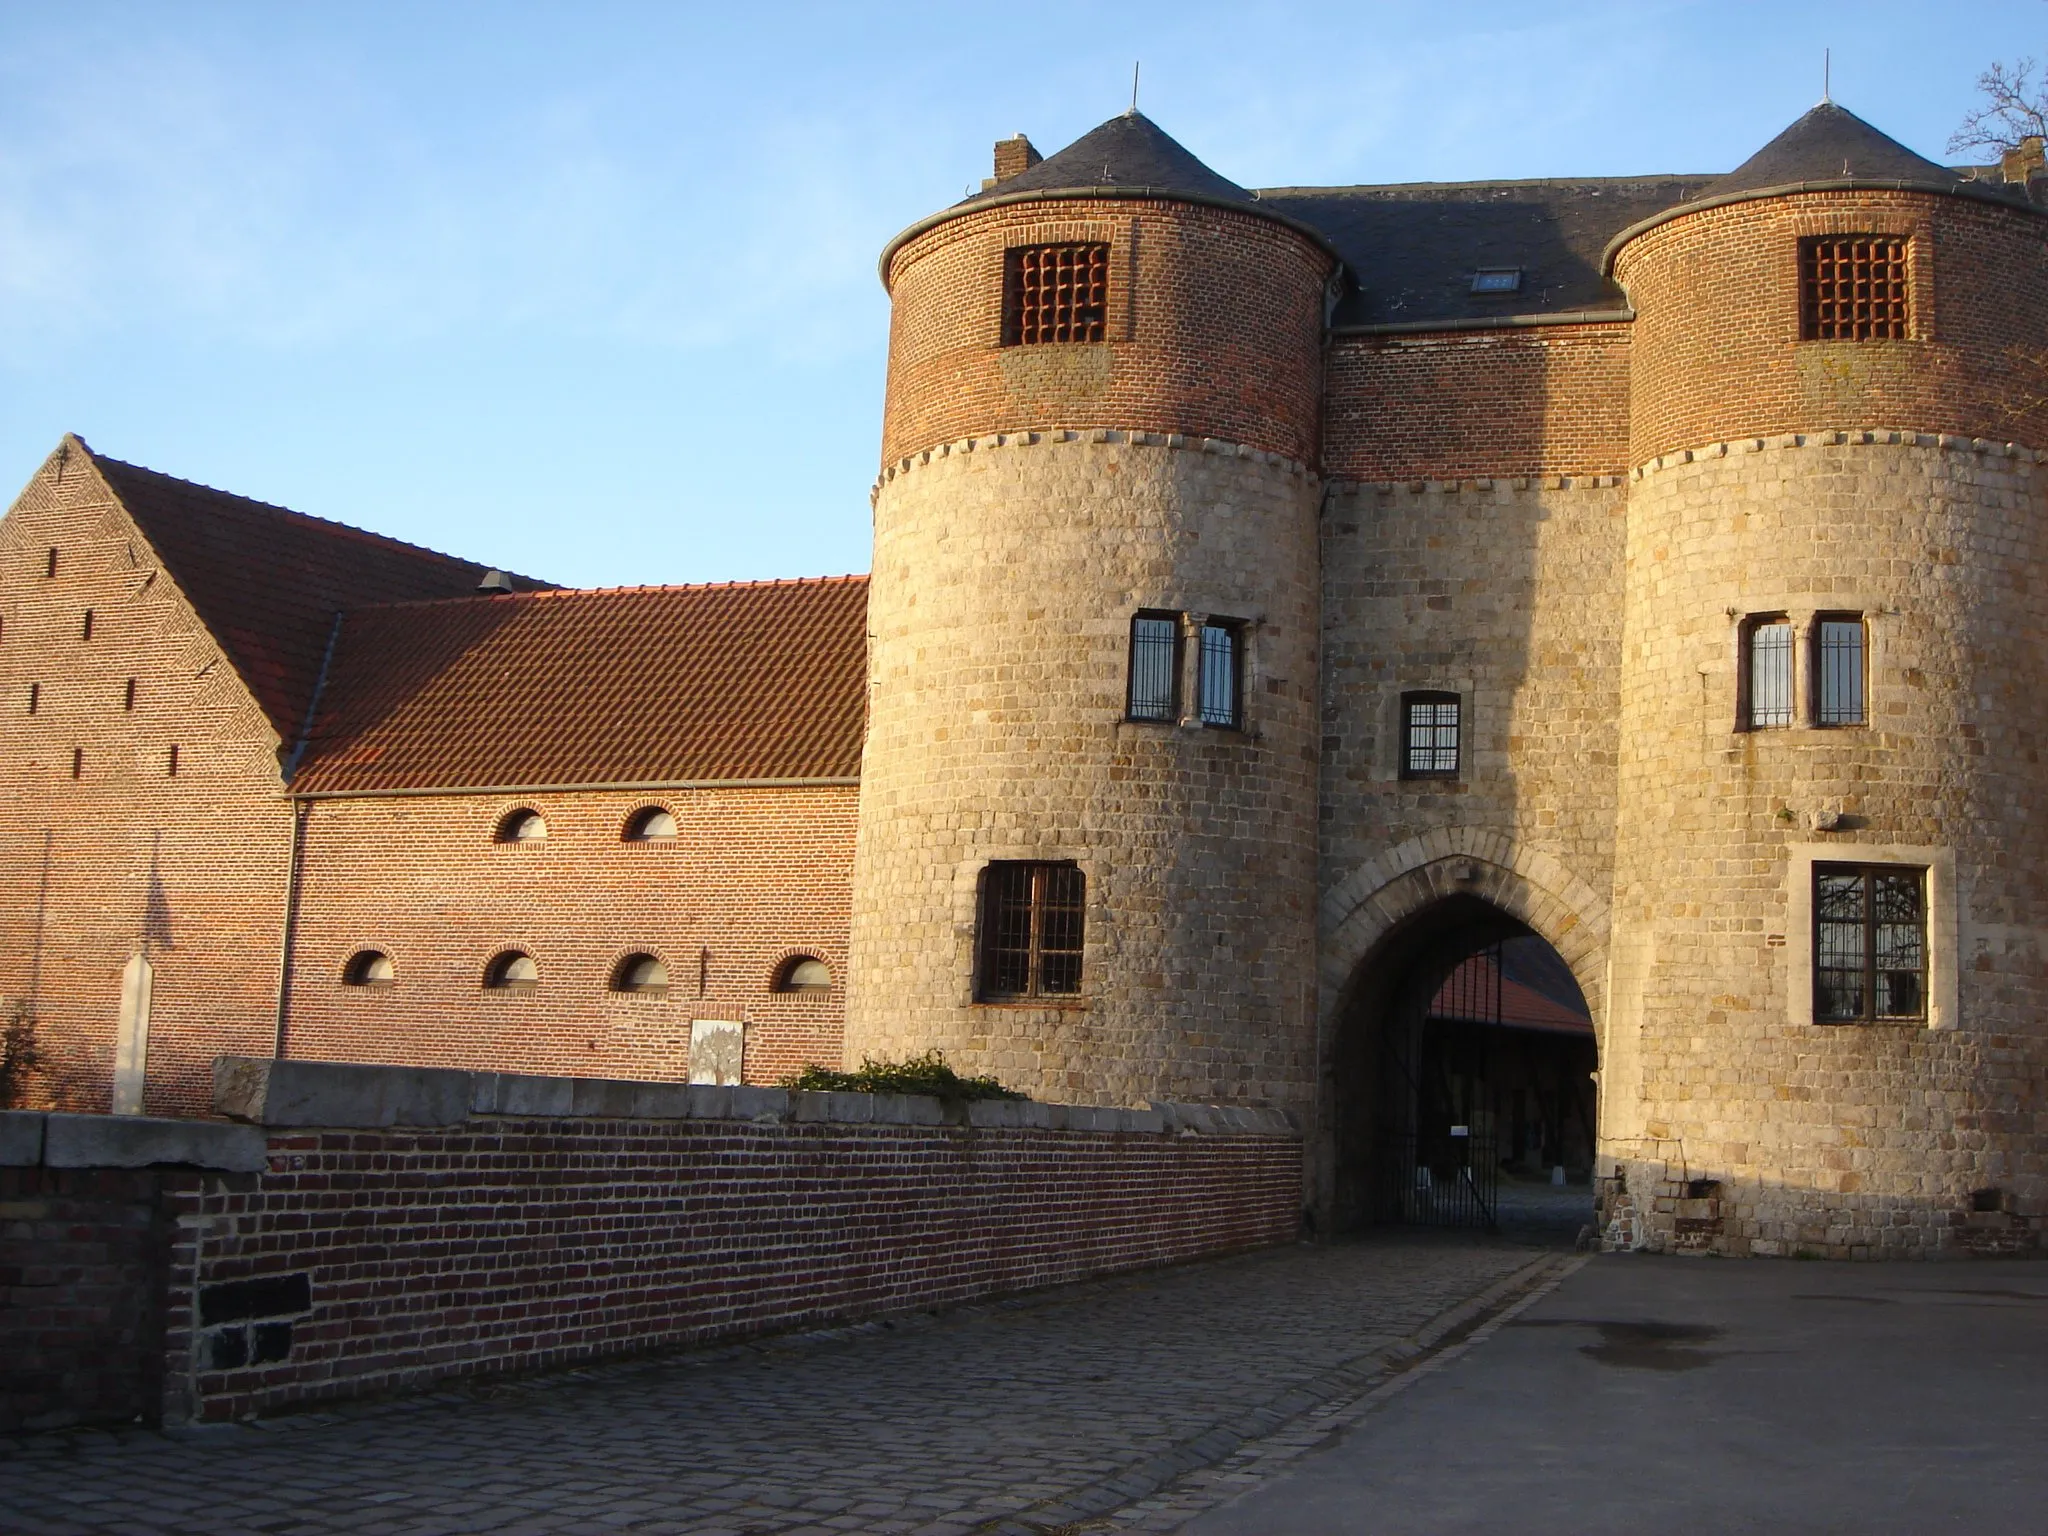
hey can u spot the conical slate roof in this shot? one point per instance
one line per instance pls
(1830, 143)
(1129, 151)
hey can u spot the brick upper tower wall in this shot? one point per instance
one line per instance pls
(1452, 405)
(1717, 354)
(1214, 329)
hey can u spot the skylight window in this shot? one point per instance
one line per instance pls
(1497, 280)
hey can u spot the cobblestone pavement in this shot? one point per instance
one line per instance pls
(1128, 1404)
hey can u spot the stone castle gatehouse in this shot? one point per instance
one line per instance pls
(1284, 605)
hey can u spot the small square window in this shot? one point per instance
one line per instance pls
(1055, 293)
(1852, 288)
(1429, 735)
(1497, 280)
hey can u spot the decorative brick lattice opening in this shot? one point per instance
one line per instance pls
(1055, 293)
(1852, 288)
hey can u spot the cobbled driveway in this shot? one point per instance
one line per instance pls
(1118, 1405)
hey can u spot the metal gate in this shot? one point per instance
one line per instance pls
(1439, 1179)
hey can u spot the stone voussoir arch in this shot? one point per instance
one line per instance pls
(1532, 887)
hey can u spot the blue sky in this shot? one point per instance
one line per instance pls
(588, 290)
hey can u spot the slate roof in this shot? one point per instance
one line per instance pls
(1830, 143)
(267, 581)
(1411, 249)
(1130, 153)
(758, 680)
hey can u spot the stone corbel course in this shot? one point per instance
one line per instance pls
(265, 1092)
(1130, 437)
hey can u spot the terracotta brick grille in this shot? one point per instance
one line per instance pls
(1852, 288)
(1055, 293)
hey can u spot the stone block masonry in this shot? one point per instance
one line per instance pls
(409, 1226)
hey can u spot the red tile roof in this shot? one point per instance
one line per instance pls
(268, 581)
(1521, 1006)
(758, 680)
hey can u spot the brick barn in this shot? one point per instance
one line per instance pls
(1284, 604)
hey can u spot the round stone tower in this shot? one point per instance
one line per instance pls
(1086, 858)
(1827, 991)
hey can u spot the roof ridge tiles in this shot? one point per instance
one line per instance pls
(563, 593)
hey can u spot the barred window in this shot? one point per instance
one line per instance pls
(1852, 287)
(1429, 735)
(1869, 943)
(1032, 917)
(1838, 669)
(1154, 688)
(1220, 679)
(1767, 673)
(1055, 293)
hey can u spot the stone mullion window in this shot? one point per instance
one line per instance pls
(1839, 669)
(1153, 688)
(1766, 685)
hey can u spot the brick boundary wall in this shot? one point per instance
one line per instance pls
(413, 1225)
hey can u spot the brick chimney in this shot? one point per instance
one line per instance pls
(2021, 164)
(1013, 158)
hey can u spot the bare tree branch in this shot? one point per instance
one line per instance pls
(2015, 107)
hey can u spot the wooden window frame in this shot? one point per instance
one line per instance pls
(1868, 924)
(1054, 890)
(1433, 698)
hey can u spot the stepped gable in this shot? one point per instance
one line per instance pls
(1130, 154)
(1411, 249)
(637, 685)
(267, 581)
(1830, 143)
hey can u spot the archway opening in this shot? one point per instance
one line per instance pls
(1464, 1080)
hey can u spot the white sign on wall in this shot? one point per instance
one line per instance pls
(717, 1051)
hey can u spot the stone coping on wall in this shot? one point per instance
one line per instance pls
(33, 1139)
(1180, 441)
(269, 1093)
(1853, 437)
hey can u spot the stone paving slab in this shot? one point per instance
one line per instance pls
(1125, 1404)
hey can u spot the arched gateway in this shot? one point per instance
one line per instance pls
(1460, 1001)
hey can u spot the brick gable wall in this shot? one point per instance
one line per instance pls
(126, 859)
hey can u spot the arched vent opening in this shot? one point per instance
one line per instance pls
(641, 975)
(803, 973)
(651, 824)
(369, 968)
(512, 971)
(522, 826)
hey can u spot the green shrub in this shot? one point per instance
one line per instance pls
(927, 1074)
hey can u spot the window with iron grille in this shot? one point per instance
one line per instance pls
(1852, 287)
(1219, 678)
(1766, 673)
(1838, 669)
(1154, 688)
(1429, 735)
(1869, 943)
(1031, 926)
(1055, 293)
